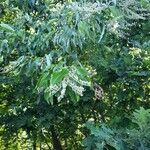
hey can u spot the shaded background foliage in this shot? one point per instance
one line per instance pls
(57, 58)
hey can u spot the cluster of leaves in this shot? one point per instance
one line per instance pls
(51, 55)
(136, 137)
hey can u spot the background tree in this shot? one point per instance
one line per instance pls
(64, 63)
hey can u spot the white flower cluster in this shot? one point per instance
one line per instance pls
(75, 87)
(73, 81)
(54, 89)
(62, 93)
(130, 12)
(87, 9)
(73, 76)
(133, 9)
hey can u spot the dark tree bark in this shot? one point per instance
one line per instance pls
(34, 139)
(34, 145)
(56, 142)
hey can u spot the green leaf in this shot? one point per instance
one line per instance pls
(1, 59)
(6, 27)
(102, 34)
(82, 72)
(84, 29)
(48, 97)
(73, 96)
(142, 73)
(58, 76)
(43, 80)
(115, 11)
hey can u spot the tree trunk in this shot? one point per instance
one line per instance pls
(56, 142)
(34, 140)
(40, 146)
(34, 145)
(46, 141)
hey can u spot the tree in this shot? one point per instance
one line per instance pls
(49, 53)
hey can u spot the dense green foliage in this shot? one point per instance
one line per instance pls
(136, 137)
(74, 75)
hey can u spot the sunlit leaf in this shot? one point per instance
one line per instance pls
(58, 76)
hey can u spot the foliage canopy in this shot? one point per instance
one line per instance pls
(75, 74)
